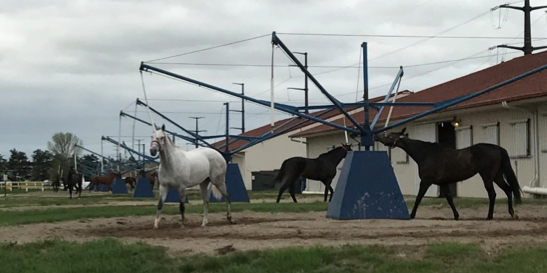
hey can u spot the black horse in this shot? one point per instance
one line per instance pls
(56, 183)
(74, 181)
(322, 168)
(442, 165)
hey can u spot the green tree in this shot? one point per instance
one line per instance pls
(63, 146)
(3, 164)
(18, 162)
(56, 168)
(41, 162)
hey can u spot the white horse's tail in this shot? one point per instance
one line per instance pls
(216, 192)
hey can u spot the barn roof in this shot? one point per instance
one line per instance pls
(280, 125)
(530, 87)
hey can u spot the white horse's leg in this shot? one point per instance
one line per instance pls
(182, 193)
(163, 194)
(205, 196)
(222, 188)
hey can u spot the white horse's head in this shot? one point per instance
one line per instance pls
(158, 140)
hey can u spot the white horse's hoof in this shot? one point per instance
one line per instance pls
(204, 223)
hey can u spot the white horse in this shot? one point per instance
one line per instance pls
(180, 169)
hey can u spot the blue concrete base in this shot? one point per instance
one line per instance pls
(173, 196)
(119, 186)
(234, 185)
(143, 189)
(367, 189)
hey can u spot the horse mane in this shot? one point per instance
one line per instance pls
(437, 145)
(331, 151)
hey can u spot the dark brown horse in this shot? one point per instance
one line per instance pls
(153, 177)
(322, 168)
(443, 165)
(131, 181)
(103, 179)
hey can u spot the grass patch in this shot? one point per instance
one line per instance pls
(107, 255)
(66, 214)
(110, 255)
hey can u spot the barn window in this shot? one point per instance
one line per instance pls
(464, 137)
(520, 134)
(491, 133)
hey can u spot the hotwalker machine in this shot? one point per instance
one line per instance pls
(234, 180)
(367, 187)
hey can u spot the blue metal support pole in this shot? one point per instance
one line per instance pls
(397, 79)
(338, 104)
(281, 107)
(366, 136)
(451, 102)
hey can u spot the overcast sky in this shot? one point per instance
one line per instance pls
(72, 66)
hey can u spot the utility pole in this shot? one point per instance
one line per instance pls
(227, 126)
(197, 131)
(305, 89)
(527, 9)
(139, 149)
(242, 108)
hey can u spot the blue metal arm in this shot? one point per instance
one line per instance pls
(281, 107)
(338, 104)
(123, 114)
(196, 136)
(149, 158)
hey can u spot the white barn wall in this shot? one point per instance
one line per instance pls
(542, 129)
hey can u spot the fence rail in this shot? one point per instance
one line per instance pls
(25, 185)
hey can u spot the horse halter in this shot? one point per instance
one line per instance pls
(156, 141)
(397, 139)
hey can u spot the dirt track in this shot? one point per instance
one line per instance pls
(272, 230)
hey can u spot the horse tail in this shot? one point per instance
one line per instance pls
(280, 175)
(216, 192)
(510, 175)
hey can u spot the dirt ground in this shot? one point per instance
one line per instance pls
(274, 230)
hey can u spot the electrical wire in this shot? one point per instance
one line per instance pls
(209, 48)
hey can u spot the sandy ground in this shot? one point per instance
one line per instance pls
(273, 230)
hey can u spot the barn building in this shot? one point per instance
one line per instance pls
(513, 116)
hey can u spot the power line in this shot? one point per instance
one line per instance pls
(403, 36)
(209, 48)
(323, 66)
